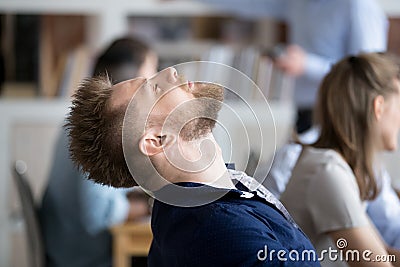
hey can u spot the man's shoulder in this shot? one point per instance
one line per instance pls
(239, 209)
(229, 230)
(230, 212)
(244, 228)
(240, 219)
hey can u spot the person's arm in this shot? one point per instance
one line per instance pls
(297, 62)
(360, 239)
(396, 253)
(368, 27)
(337, 211)
(251, 8)
(367, 32)
(390, 250)
(102, 206)
(384, 212)
(139, 204)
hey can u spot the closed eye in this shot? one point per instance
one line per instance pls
(156, 88)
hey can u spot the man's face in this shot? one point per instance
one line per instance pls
(148, 91)
(162, 108)
(161, 95)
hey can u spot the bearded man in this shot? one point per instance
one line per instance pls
(158, 133)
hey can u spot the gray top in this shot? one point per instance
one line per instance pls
(384, 211)
(323, 196)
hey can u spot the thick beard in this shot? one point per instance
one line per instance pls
(210, 98)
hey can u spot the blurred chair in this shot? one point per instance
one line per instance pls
(35, 242)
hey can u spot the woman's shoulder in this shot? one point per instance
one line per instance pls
(324, 165)
(321, 154)
(323, 158)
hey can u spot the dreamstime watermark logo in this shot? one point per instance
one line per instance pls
(341, 243)
(330, 254)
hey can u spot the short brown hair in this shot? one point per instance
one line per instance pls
(95, 129)
(345, 111)
(95, 132)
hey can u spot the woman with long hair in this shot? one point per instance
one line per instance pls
(358, 111)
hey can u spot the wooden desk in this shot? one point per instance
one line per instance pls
(130, 239)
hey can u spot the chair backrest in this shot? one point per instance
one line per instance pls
(35, 242)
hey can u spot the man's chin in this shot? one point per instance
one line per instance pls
(208, 90)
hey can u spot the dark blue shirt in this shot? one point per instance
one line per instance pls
(234, 230)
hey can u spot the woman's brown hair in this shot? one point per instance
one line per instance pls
(345, 111)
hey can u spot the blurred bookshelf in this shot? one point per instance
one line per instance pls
(51, 45)
(58, 46)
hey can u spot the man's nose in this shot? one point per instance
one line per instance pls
(166, 79)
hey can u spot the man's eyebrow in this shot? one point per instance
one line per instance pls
(144, 82)
(143, 79)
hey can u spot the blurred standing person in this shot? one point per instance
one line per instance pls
(320, 32)
(76, 213)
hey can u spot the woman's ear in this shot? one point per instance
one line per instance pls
(379, 106)
(153, 142)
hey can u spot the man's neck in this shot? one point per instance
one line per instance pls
(214, 173)
(217, 176)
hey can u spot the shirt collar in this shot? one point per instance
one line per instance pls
(246, 187)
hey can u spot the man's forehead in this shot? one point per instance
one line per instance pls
(134, 80)
(122, 92)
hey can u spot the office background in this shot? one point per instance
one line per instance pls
(48, 46)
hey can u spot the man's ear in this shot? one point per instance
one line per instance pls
(379, 106)
(152, 142)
